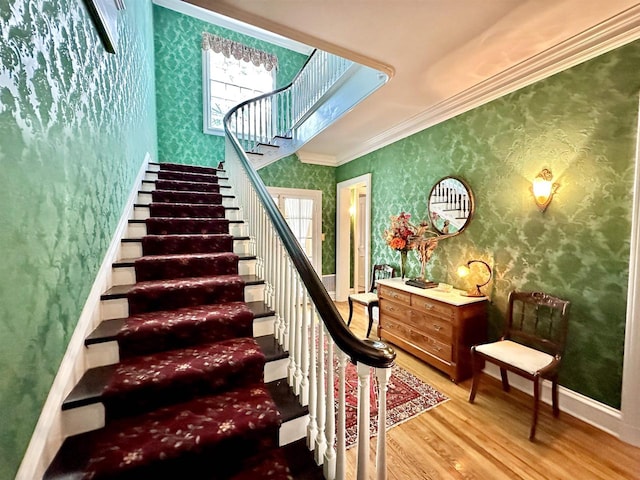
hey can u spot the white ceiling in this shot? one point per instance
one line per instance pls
(444, 56)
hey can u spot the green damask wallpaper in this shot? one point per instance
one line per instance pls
(178, 61)
(75, 125)
(581, 124)
(290, 172)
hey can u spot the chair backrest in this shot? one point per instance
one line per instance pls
(538, 320)
(378, 273)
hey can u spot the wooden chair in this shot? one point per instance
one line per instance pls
(532, 345)
(370, 298)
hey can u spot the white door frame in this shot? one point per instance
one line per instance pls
(629, 411)
(343, 238)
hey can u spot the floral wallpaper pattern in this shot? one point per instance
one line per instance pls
(580, 123)
(178, 41)
(290, 172)
(75, 125)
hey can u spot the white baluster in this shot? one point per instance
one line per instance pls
(321, 441)
(383, 375)
(291, 375)
(312, 427)
(298, 343)
(304, 387)
(364, 412)
(341, 434)
(330, 453)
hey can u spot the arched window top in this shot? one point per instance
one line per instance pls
(239, 51)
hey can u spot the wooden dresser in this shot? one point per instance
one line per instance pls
(435, 326)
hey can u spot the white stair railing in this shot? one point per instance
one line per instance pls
(308, 324)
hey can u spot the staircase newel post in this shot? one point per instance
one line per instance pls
(383, 375)
(312, 428)
(341, 440)
(364, 412)
(321, 443)
(330, 453)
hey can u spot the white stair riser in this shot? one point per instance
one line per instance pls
(263, 326)
(92, 417)
(142, 213)
(139, 230)
(144, 198)
(134, 249)
(127, 275)
(293, 430)
(119, 307)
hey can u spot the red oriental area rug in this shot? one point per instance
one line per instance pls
(407, 397)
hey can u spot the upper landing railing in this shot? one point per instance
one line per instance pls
(308, 324)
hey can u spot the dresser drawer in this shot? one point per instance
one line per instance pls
(395, 295)
(432, 307)
(422, 341)
(440, 328)
(394, 309)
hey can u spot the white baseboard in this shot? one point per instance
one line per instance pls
(49, 432)
(575, 404)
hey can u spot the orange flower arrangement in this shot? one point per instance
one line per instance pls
(400, 232)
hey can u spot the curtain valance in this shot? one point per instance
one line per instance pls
(239, 51)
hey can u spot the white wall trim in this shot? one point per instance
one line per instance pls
(316, 158)
(232, 24)
(630, 424)
(49, 432)
(607, 35)
(343, 234)
(575, 404)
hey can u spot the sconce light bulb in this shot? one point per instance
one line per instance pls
(463, 271)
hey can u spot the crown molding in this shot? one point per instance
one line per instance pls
(232, 24)
(316, 158)
(601, 38)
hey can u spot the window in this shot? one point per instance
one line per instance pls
(228, 82)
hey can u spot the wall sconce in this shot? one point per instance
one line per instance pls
(543, 189)
(464, 270)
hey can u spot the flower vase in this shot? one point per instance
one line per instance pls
(403, 263)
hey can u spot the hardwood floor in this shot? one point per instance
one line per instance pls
(488, 440)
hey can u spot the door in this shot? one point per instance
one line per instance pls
(302, 209)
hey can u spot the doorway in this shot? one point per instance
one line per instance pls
(353, 258)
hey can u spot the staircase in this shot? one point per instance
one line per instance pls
(188, 379)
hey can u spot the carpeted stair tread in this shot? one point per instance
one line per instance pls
(185, 440)
(187, 243)
(121, 291)
(186, 210)
(162, 267)
(107, 330)
(170, 225)
(157, 295)
(149, 373)
(151, 332)
(181, 167)
(185, 186)
(212, 197)
(130, 262)
(188, 176)
(151, 381)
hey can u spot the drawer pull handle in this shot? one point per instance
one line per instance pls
(395, 295)
(437, 328)
(428, 306)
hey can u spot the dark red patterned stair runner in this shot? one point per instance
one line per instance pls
(187, 399)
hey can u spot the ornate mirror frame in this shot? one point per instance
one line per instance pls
(450, 205)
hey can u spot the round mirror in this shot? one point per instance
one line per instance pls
(450, 205)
